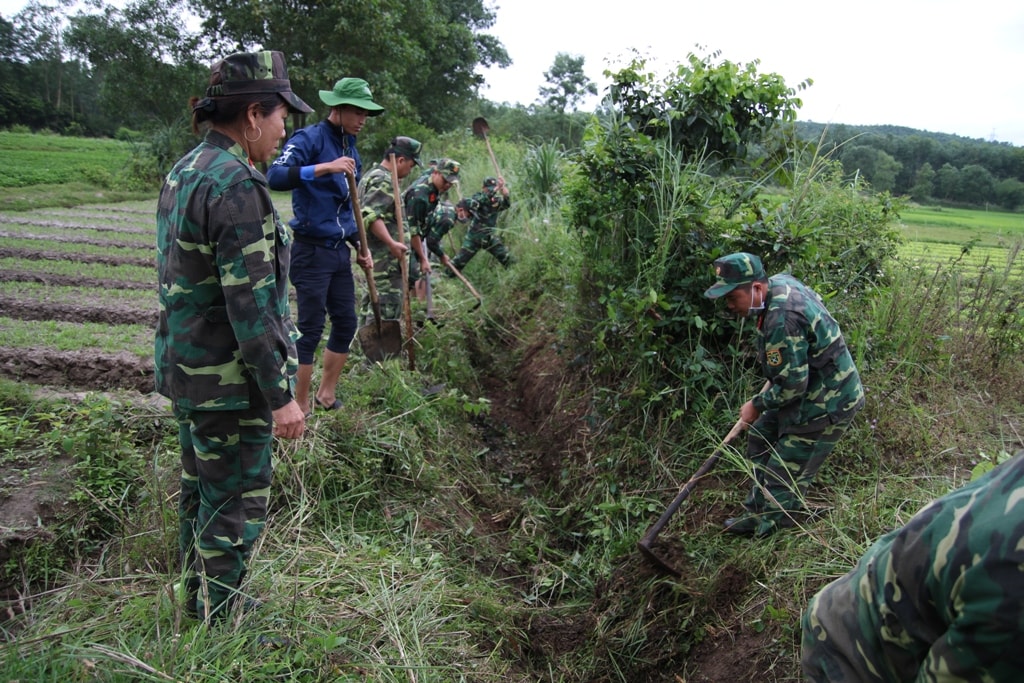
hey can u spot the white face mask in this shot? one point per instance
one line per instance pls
(759, 307)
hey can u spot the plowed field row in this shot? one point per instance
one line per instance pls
(78, 297)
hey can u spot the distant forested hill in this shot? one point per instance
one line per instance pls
(924, 165)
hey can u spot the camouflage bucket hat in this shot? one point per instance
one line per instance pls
(449, 168)
(734, 270)
(407, 147)
(256, 73)
(354, 92)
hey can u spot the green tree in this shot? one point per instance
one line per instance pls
(145, 63)
(886, 170)
(703, 107)
(1009, 193)
(947, 182)
(924, 183)
(568, 84)
(859, 161)
(977, 185)
(420, 59)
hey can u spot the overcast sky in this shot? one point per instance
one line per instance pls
(938, 65)
(947, 66)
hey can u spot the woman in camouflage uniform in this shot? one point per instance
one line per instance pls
(225, 342)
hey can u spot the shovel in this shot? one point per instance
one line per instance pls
(381, 339)
(480, 129)
(406, 305)
(430, 302)
(645, 543)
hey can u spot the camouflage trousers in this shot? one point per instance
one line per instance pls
(225, 482)
(387, 276)
(482, 238)
(785, 466)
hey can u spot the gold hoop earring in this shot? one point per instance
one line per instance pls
(245, 134)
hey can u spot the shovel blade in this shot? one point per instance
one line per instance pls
(480, 127)
(383, 344)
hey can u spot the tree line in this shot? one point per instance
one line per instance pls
(96, 69)
(927, 166)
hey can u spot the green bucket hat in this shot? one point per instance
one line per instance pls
(352, 91)
(255, 73)
(734, 270)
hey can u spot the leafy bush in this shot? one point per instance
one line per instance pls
(653, 206)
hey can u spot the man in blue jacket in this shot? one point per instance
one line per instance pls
(314, 165)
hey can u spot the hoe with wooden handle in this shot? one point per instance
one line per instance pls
(645, 543)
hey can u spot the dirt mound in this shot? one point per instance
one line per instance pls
(79, 369)
(52, 255)
(56, 280)
(109, 313)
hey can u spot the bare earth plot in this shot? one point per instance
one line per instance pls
(67, 267)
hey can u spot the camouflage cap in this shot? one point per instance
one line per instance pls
(255, 73)
(407, 147)
(734, 270)
(354, 92)
(449, 168)
(490, 182)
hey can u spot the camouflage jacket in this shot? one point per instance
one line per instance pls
(225, 327)
(936, 600)
(377, 200)
(439, 223)
(484, 207)
(814, 381)
(420, 199)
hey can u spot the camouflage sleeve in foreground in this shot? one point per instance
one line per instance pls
(225, 326)
(814, 381)
(938, 600)
(377, 199)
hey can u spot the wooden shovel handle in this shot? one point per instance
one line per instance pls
(406, 305)
(364, 247)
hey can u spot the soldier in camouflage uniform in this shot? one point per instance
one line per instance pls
(813, 395)
(937, 600)
(421, 199)
(483, 208)
(225, 343)
(439, 223)
(377, 201)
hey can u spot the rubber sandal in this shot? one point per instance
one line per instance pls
(334, 406)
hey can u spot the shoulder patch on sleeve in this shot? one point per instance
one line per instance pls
(773, 357)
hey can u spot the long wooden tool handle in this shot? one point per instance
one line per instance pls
(690, 484)
(406, 305)
(491, 152)
(688, 487)
(451, 266)
(364, 247)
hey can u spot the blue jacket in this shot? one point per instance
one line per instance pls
(321, 205)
